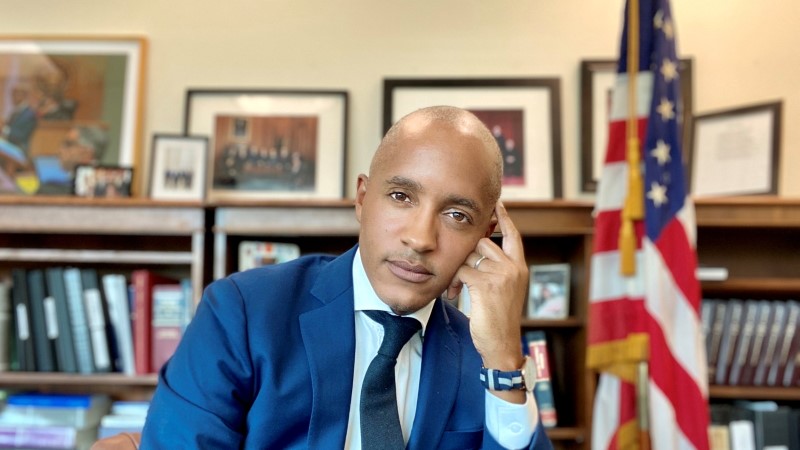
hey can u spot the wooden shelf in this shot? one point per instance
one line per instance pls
(763, 286)
(38, 379)
(748, 212)
(575, 434)
(754, 393)
(95, 256)
(569, 322)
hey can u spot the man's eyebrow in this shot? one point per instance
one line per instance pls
(452, 199)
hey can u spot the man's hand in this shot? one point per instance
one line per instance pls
(497, 279)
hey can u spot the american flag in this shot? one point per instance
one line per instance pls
(653, 314)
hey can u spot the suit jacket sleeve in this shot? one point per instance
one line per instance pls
(203, 393)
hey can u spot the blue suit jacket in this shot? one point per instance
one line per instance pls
(267, 362)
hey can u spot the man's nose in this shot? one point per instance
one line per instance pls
(420, 232)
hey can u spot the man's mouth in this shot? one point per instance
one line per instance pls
(407, 271)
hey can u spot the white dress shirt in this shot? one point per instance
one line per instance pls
(511, 425)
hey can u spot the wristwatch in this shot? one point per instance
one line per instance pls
(523, 379)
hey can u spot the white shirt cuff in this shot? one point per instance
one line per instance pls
(511, 424)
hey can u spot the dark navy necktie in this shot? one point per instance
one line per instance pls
(380, 421)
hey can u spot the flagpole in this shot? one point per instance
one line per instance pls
(642, 404)
(634, 200)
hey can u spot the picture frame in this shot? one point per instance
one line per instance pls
(103, 181)
(178, 167)
(523, 113)
(271, 144)
(736, 151)
(548, 293)
(68, 101)
(597, 80)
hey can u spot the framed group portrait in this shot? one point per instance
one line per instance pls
(271, 144)
(103, 181)
(178, 167)
(523, 114)
(597, 84)
(66, 102)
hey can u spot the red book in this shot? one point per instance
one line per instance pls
(169, 305)
(143, 281)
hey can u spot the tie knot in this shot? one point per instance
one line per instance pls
(397, 331)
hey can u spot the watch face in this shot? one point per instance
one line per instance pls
(529, 374)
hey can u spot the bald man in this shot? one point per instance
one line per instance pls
(276, 357)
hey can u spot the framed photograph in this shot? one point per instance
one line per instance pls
(103, 181)
(597, 84)
(736, 151)
(67, 101)
(178, 167)
(523, 114)
(271, 144)
(548, 295)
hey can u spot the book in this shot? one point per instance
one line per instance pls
(781, 355)
(763, 319)
(543, 390)
(23, 340)
(44, 337)
(77, 316)
(792, 355)
(733, 319)
(66, 360)
(46, 438)
(51, 409)
(169, 304)
(548, 293)
(6, 326)
(115, 287)
(143, 281)
(125, 417)
(96, 319)
(254, 254)
(717, 327)
(774, 331)
(744, 343)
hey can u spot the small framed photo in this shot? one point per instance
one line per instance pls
(178, 167)
(103, 181)
(548, 295)
(597, 85)
(736, 151)
(68, 101)
(271, 144)
(523, 114)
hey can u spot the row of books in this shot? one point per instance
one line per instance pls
(66, 421)
(75, 320)
(535, 346)
(746, 425)
(752, 342)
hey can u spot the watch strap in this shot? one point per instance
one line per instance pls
(498, 380)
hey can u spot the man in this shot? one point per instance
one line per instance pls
(276, 357)
(82, 145)
(21, 123)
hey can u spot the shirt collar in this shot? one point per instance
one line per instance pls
(365, 298)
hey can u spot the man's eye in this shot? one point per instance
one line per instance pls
(459, 216)
(399, 196)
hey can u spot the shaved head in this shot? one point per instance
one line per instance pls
(460, 120)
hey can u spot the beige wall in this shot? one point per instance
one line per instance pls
(744, 51)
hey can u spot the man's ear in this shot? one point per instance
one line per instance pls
(361, 191)
(492, 226)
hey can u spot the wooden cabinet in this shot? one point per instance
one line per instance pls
(111, 236)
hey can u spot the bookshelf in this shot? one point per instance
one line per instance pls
(758, 240)
(111, 236)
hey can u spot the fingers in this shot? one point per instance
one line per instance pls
(512, 243)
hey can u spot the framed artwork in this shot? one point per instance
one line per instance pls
(523, 114)
(103, 181)
(548, 295)
(178, 167)
(736, 151)
(597, 84)
(271, 144)
(65, 102)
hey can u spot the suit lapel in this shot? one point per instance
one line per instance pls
(329, 339)
(439, 380)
